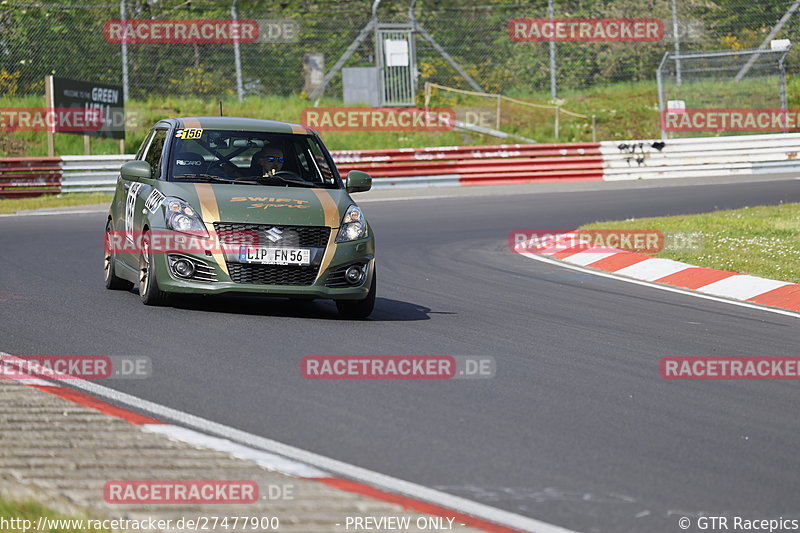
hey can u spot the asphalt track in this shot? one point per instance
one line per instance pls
(577, 428)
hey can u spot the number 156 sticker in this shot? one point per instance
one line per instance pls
(189, 133)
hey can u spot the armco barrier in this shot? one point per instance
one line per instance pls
(472, 165)
(91, 173)
(29, 176)
(477, 165)
(701, 157)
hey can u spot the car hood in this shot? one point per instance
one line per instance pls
(260, 204)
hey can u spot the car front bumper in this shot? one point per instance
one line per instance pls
(342, 255)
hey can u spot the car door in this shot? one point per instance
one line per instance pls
(136, 192)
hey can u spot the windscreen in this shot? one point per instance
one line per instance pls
(252, 158)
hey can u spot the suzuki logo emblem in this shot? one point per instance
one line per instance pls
(274, 234)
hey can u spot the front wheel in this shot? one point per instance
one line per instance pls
(357, 309)
(112, 281)
(149, 292)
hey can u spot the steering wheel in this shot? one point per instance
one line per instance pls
(286, 173)
(224, 171)
(289, 174)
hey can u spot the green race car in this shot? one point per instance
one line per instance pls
(217, 204)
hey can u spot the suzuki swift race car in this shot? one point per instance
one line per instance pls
(216, 204)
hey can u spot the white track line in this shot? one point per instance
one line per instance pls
(687, 292)
(262, 444)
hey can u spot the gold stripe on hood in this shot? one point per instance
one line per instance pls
(331, 211)
(329, 207)
(209, 211)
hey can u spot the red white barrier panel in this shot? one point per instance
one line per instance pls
(29, 176)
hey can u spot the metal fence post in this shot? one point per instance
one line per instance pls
(660, 82)
(124, 45)
(236, 53)
(557, 121)
(553, 88)
(499, 105)
(675, 34)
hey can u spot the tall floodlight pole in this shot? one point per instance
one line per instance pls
(124, 52)
(553, 88)
(676, 35)
(237, 57)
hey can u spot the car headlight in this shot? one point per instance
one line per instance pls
(180, 216)
(354, 225)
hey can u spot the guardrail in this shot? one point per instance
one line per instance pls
(29, 176)
(471, 165)
(701, 157)
(476, 165)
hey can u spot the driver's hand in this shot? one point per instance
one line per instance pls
(231, 169)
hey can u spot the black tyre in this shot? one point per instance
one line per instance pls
(358, 309)
(113, 282)
(149, 292)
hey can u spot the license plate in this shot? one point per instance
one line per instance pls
(274, 256)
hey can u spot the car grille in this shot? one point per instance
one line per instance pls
(290, 236)
(272, 274)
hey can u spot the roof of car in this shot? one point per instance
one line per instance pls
(237, 124)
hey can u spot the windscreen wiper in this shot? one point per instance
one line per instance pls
(203, 176)
(286, 180)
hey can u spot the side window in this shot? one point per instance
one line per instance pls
(143, 147)
(153, 155)
(320, 161)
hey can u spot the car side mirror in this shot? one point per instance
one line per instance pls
(358, 181)
(136, 170)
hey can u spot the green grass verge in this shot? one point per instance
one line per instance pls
(12, 205)
(761, 241)
(622, 110)
(10, 510)
(143, 114)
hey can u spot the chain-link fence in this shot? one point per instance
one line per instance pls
(67, 39)
(734, 81)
